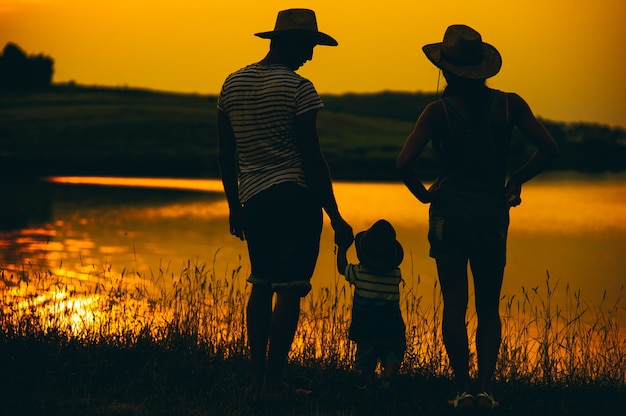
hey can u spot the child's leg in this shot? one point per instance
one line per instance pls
(390, 369)
(391, 358)
(365, 362)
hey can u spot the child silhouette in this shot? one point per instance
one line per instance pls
(377, 326)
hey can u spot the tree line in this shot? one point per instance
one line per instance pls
(586, 147)
(19, 71)
(361, 133)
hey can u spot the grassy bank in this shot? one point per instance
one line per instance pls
(73, 130)
(127, 344)
(82, 131)
(99, 131)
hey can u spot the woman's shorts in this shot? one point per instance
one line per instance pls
(482, 242)
(283, 225)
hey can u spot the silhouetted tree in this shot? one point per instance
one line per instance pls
(19, 71)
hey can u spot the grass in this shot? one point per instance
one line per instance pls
(76, 130)
(104, 342)
(106, 131)
(98, 131)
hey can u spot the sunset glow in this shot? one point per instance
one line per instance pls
(564, 56)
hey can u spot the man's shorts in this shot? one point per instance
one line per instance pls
(483, 242)
(283, 225)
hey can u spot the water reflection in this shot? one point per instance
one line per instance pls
(94, 239)
(572, 207)
(24, 203)
(106, 229)
(87, 226)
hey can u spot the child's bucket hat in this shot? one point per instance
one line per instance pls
(377, 247)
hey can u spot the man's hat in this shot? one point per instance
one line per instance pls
(377, 247)
(298, 22)
(464, 54)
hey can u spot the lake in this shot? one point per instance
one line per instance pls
(572, 227)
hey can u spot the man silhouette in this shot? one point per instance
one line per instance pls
(277, 182)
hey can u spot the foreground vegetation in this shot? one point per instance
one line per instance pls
(73, 130)
(125, 343)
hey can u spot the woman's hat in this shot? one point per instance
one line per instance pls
(298, 22)
(464, 54)
(377, 247)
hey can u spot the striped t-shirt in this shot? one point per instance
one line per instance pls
(376, 305)
(262, 102)
(374, 285)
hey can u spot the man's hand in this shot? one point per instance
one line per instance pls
(344, 237)
(236, 223)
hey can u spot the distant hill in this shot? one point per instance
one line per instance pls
(74, 130)
(584, 147)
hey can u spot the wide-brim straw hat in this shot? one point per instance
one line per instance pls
(298, 22)
(464, 54)
(377, 247)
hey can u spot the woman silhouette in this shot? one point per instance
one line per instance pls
(470, 128)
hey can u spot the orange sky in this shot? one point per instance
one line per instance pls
(565, 57)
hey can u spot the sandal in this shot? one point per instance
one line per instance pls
(462, 401)
(485, 400)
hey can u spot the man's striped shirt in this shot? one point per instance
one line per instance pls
(262, 103)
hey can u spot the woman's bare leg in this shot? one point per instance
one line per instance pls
(487, 287)
(453, 278)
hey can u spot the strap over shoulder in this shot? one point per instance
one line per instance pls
(492, 104)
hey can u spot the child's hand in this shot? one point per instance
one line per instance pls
(343, 234)
(342, 256)
(345, 243)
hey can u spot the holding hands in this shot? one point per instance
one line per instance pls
(344, 236)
